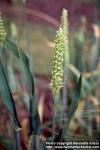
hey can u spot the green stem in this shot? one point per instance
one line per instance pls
(18, 140)
(64, 114)
(35, 143)
(54, 114)
(12, 132)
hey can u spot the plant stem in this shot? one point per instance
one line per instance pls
(35, 143)
(18, 140)
(64, 115)
(54, 115)
(54, 112)
(12, 132)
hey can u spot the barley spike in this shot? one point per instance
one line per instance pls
(2, 32)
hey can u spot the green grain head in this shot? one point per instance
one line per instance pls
(57, 72)
(61, 50)
(64, 26)
(2, 32)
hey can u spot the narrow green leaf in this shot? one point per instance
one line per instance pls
(11, 46)
(11, 77)
(20, 53)
(34, 115)
(7, 96)
(75, 99)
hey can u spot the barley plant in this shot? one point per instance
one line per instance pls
(59, 79)
(59, 73)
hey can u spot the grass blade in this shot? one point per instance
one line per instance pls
(7, 96)
(34, 115)
(75, 99)
(19, 53)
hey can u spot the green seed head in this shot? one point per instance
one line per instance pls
(2, 32)
(61, 53)
(64, 25)
(57, 63)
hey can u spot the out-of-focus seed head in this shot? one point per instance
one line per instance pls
(2, 32)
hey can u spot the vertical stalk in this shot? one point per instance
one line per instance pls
(57, 116)
(54, 115)
(61, 60)
(12, 132)
(57, 72)
(18, 140)
(35, 143)
(64, 115)
(64, 25)
(89, 124)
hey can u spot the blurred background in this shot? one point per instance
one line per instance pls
(32, 24)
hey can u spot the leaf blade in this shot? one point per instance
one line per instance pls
(75, 98)
(73, 107)
(34, 115)
(7, 96)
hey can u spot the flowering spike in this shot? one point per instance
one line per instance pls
(64, 26)
(2, 32)
(57, 72)
(61, 53)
